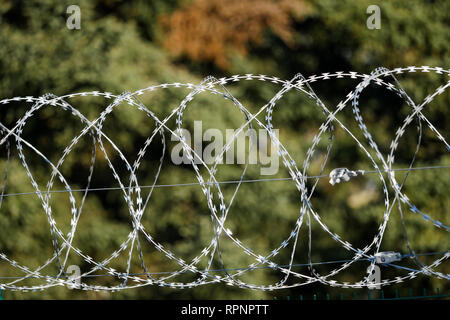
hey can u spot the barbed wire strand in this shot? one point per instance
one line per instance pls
(206, 183)
(211, 187)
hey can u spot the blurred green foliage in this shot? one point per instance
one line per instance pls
(120, 48)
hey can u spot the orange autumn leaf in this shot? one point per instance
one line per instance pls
(208, 30)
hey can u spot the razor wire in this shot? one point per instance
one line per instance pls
(215, 200)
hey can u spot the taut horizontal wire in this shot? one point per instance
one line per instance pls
(209, 183)
(242, 268)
